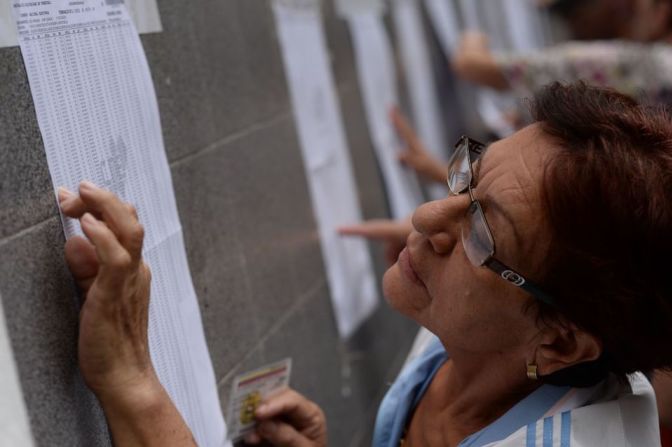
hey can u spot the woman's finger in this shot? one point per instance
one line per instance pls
(114, 260)
(82, 260)
(119, 216)
(281, 434)
(71, 204)
(252, 438)
(292, 407)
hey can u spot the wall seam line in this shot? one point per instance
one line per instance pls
(12, 237)
(298, 304)
(237, 135)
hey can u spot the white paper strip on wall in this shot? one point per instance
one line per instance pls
(14, 425)
(346, 8)
(470, 14)
(445, 21)
(99, 118)
(327, 161)
(378, 83)
(420, 83)
(525, 25)
(145, 14)
(489, 103)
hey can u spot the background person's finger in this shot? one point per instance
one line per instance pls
(119, 216)
(114, 260)
(281, 434)
(82, 260)
(373, 229)
(404, 129)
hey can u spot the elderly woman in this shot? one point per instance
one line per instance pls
(543, 276)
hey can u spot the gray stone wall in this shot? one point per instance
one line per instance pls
(248, 223)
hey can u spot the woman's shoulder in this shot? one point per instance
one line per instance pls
(614, 414)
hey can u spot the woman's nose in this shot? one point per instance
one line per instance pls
(440, 221)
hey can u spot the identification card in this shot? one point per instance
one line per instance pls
(249, 390)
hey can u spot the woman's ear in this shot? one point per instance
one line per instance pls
(565, 346)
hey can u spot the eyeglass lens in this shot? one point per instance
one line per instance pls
(459, 172)
(476, 238)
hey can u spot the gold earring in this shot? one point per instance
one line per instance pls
(532, 371)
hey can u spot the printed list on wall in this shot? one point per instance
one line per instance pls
(99, 118)
(326, 158)
(378, 82)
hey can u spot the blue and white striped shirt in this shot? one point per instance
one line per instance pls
(548, 417)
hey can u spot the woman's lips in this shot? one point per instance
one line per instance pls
(406, 267)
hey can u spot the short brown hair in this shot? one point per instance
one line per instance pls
(608, 192)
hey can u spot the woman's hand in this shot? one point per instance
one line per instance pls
(113, 343)
(415, 154)
(108, 268)
(287, 419)
(393, 233)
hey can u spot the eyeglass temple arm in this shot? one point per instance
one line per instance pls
(519, 280)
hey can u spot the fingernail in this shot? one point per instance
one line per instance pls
(85, 184)
(89, 219)
(64, 194)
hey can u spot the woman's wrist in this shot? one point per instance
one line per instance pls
(141, 413)
(141, 395)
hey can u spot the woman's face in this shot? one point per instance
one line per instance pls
(472, 309)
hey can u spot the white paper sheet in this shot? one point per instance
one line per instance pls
(14, 425)
(490, 104)
(326, 158)
(99, 119)
(378, 83)
(145, 14)
(346, 8)
(420, 83)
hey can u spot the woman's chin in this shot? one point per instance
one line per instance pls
(397, 293)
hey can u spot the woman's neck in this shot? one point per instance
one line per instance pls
(465, 397)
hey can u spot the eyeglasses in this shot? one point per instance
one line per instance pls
(477, 239)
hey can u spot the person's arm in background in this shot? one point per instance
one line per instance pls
(626, 66)
(113, 347)
(474, 62)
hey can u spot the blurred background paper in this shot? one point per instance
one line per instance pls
(445, 21)
(420, 82)
(14, 426)
(326, 158)
(378, 83)
(145, 14)
(345, 8)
